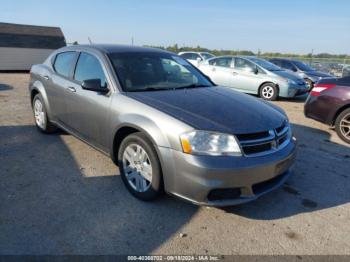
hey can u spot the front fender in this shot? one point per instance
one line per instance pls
(145, 125)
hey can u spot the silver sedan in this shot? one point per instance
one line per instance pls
(253, 75)
(165, 125)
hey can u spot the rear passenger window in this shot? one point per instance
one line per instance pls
(88, 68)
(64, 63)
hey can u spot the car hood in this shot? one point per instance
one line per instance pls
(218, 109)
(318, 74)
(288, 75)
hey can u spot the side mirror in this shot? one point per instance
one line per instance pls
(199, 59)
(94, 85)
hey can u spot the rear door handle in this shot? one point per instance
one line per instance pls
(72, 89)
(213, 69)
(46, 77)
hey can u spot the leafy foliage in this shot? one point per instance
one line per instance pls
(176, 49)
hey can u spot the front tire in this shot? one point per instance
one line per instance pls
(140, 168)
(268, 91)
(309, 83)
(41, 118)
(342, 125)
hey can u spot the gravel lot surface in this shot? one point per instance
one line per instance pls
(60, 196)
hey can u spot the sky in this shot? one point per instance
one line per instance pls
(269, 26)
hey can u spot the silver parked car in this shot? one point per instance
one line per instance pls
(195, 58)
(254, 76)
(165, 125)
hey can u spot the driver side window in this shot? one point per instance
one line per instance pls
(288, 66)
(89, 68)
(241, 63)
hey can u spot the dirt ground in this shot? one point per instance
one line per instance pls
(60, 196)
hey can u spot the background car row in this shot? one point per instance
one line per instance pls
(329, 98)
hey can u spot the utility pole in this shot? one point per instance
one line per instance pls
(132, 40)
(89, 40)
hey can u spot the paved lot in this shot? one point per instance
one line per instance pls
(60, 196)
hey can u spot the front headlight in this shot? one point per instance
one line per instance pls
(287, 80)
(209, 143)
(290, 81)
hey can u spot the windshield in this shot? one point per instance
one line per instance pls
(302, 66)
(207, 55)
(265, 64)
(143, 71)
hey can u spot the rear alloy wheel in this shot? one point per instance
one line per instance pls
(342, 125)
(139, 167)
(268, 92)
(42, 121)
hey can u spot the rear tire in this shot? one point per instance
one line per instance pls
(342, 125)
(268, 91)
(140, 168)
(41, 118)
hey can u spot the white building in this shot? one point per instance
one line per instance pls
(21, 46)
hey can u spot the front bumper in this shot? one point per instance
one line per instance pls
(293, 90)
(225, 181)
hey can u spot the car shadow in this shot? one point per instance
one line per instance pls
(297, 99)
(4, 87)
(320, 180)
(48, 206)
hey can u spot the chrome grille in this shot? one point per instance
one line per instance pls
(263, 143)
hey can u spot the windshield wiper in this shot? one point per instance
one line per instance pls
(191, 86)
(149, 89)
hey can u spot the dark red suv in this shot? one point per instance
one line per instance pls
(329, 102)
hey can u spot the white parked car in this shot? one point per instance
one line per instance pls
(195, 58)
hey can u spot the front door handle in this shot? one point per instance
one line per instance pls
(46, 77)
(234, 73)
(213, 69)
(72, 89)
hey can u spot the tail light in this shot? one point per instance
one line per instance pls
(319, 88)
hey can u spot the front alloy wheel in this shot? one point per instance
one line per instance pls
(268, 92)
(139, 167)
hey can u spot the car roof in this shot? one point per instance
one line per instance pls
(187, 52)
(240, 56)
(284, 59)
(113, 48)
